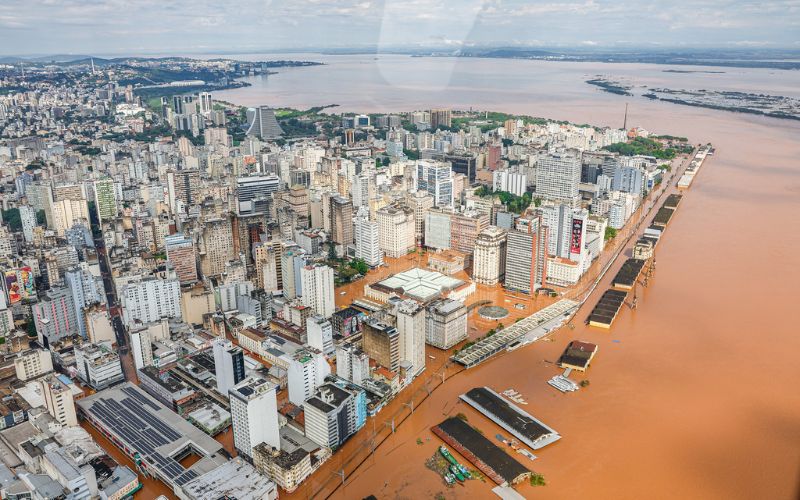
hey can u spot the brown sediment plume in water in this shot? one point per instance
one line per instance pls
(698, 399)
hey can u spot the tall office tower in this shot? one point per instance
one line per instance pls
(341, 213)
(382, 343)
(352, 363)
(411, 327)
(254, 415)
(445, 323)
(182, 256)
(441, 117)
(420, 202)
(465, 228)
(317, 292)
(367, 235)
(262, 123)
(438, 230)
(105, 199)
(205, 102)
(27, 216)
(558, 176)
(252, 191)
(463, 163)
(228, 365)
(185, 186)
(307, 371)
(58, 401)
(150, 299)
(217, 247)
(85, 290)
(512, 182)
(489, 258)
(396, 226)
(526, 256)
(566, 230)
(54, 316)
(436, 179)
(293, 258)
(320, 334)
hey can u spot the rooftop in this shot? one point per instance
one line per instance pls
(419, 284)
(150, 430)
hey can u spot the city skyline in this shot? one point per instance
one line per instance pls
(108, 27)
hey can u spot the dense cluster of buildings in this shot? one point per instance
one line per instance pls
(182, 266)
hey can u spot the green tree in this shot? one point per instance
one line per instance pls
(611, 233)
(360, 266)
(11, 216)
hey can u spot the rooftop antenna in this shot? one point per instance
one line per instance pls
(625, 121)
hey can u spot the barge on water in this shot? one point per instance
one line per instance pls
(487, 457)
(606, 310)
(510, 417)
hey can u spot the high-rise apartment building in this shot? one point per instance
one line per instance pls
(105, 199)
(254, 415)
(181, 254)
(441, 117)
(150, 299)
(438, 230)
(489, 258)
(206, 105)
(217, 248)
(333, 414)
(341, 223)
(367, 236)
(85, 290)
(317, 289)
(465, 228)
(54, 316)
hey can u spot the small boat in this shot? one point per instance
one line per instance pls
(456, 472)
(467, 474)
(449, 479)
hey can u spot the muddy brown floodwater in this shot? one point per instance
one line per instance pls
(692, 395)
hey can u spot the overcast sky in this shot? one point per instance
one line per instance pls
(183, 26)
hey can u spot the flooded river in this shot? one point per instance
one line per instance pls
(693, 394)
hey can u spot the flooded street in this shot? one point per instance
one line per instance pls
(692, 394)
